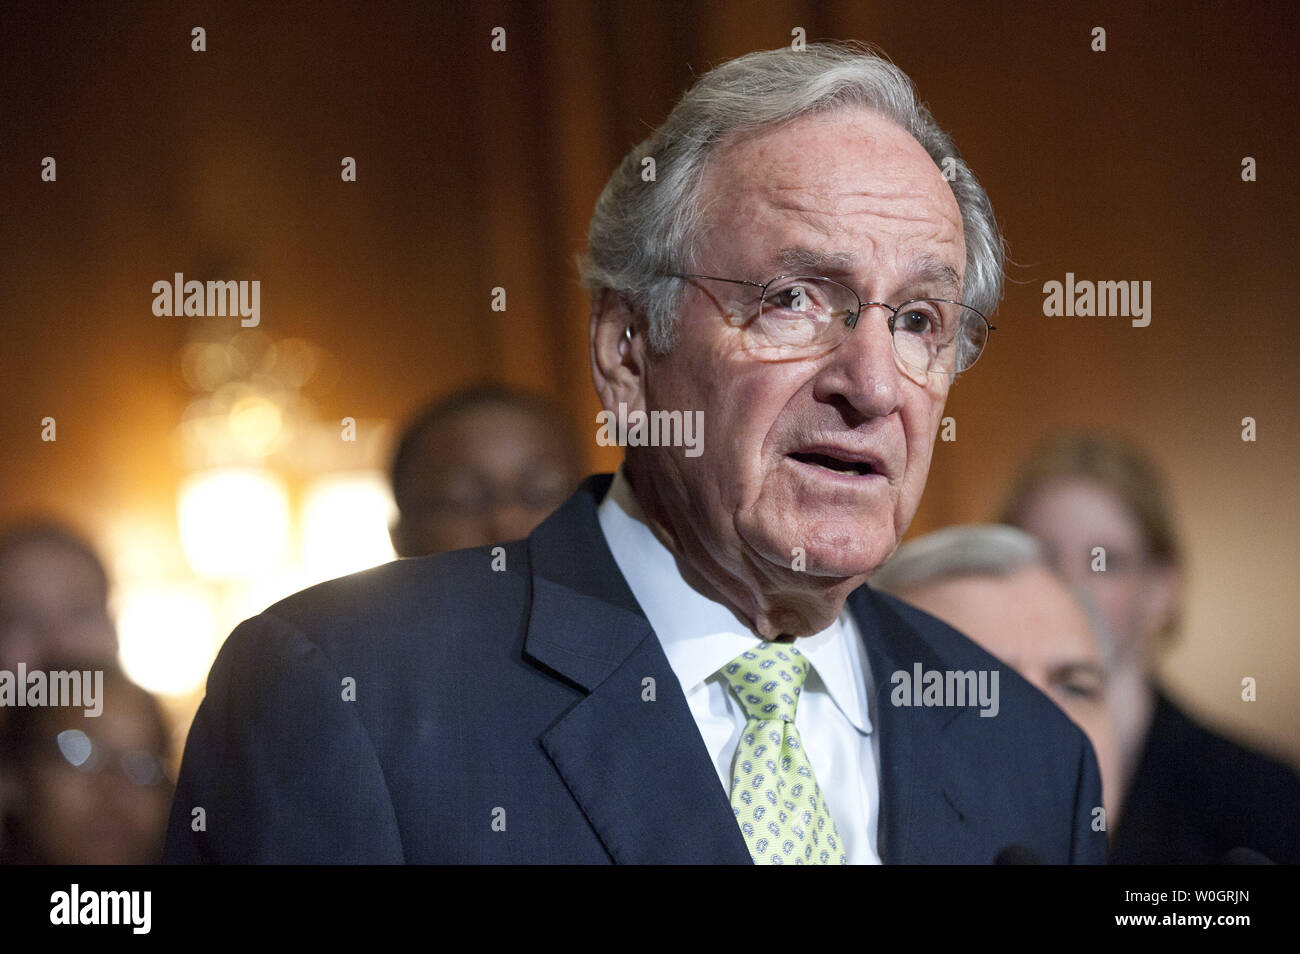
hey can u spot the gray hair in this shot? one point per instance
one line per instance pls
(980, 550)
(642, 231)
(970, 550)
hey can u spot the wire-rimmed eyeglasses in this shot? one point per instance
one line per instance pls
(806, 316)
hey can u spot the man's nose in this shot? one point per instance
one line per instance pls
(863, 368)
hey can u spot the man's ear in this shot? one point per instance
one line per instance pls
(618, 349)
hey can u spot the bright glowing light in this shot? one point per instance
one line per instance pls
(167, 636)
(254, 423)
(345, 524)
(234, 522)
(251, 597)
(140, 550)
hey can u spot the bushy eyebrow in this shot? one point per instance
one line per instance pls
(935, 273)
(927, 271)
(808, 260)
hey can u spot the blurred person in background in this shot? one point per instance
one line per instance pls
(53, 607)
(484, 465)
(1189, 795)
(994, 584)
(87, 790)
(53, 599)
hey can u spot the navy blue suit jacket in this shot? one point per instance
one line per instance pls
(499, 717)
(1197, 795)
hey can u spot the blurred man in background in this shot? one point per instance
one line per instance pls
(53, 599)
(482, 466)
(1189, 795)
(53, 608)
(994, 584)
(74, 789)
(87, 790)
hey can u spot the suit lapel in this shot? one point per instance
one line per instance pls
(920, 795)
(640, 770)
(629, 751)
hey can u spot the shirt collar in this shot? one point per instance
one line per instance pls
(700, 634)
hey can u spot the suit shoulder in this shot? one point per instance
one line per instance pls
(1046, 785)
(957, 651)
(1180, 742)
(468, 592)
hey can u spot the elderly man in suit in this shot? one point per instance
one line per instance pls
(682, 663)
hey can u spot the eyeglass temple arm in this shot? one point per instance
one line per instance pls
(715, 278)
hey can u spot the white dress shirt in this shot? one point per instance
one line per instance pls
(700, 635)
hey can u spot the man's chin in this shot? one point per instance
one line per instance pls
(832, 551)
(836, 563)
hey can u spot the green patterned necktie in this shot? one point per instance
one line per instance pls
(777, 801)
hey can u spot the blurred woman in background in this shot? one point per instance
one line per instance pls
(1189, 795)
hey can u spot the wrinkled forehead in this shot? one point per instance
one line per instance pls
(831, 175)
(842, 133)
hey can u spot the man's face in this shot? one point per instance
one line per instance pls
(849, 187)
(488, 475)
(1030, 621)
(53, 608)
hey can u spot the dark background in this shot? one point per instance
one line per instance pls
(479, 169)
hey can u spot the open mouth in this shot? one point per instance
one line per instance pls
(838, 465)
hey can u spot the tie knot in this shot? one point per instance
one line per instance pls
(767, 680)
